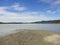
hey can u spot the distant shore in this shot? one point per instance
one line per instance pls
(36, 22)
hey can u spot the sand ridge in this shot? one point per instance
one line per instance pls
(55, 39)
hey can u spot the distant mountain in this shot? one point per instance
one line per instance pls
(51, 21)
(43, 22)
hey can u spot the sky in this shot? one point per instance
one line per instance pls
(29, 10)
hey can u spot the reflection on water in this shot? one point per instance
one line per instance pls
(9, 28)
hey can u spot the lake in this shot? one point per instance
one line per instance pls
(10, 28)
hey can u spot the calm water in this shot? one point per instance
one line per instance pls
(9, 28)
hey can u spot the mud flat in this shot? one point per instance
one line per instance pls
(31, 37)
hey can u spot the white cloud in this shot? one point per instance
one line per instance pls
(18, 7)
(51, 12)
(46, 1)
(25, 16)
(57, 2)
(52, 2)
(7, 16)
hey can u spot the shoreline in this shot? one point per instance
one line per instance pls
(20, 30)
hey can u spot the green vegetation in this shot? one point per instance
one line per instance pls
(31, 37)
(49, 22)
